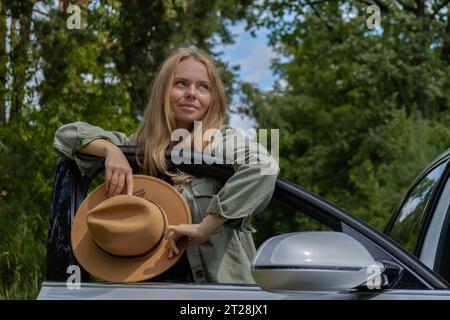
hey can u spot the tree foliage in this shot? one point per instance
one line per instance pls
(360, 111)
(101, 73)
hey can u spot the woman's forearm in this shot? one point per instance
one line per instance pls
(210, 224)
(98, 147)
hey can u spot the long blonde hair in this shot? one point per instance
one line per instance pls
(154, 133)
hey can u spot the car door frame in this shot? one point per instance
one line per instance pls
(429, 215)
(336, 218)
(430, 206)
(441, 261)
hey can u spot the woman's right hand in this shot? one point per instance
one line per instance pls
(118, 172)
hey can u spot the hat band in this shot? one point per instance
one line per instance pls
(146, 253)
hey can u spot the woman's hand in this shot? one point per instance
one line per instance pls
(193, 232)
(118, 172)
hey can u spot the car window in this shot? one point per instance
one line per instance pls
(433, 252)
(280, 218)
(407, 226)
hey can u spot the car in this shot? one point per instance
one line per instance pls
(346, 259)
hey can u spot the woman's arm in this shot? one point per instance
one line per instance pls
(80, 137)
(196, 233)
(99, 148)
(247, 191)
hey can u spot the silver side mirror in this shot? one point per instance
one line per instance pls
(313, 261)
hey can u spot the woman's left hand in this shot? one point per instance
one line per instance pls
(193, 232)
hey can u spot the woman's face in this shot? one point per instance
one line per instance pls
(190, 93)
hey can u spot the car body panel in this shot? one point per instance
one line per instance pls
(145, 291)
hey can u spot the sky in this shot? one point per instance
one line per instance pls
(254, 56)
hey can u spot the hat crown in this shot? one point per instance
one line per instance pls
(126, 226)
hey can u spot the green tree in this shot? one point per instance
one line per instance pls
(100, 73)
(361, 111)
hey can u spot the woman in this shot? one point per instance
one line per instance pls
(187, 89)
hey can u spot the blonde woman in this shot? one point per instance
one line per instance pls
(187, 89)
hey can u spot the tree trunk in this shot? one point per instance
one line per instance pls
(3, 64)
(19, 63)
(63, 5)
(445, 58)
(422, 99)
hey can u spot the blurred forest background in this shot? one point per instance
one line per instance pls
(360, 111)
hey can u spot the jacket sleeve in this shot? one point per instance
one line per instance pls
(70, 138)
(249, 190)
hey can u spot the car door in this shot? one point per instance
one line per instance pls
(306, 211)
(420, 223)
(405, 275)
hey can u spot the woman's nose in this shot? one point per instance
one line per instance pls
(191, 91)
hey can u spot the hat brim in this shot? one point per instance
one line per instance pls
(113, 269)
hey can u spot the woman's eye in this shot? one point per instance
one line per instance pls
(181, 82)
(204, 87)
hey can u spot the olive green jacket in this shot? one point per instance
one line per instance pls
(226, 256)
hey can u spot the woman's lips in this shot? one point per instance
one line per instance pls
(189, 107)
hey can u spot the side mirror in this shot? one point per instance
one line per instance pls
(313, 261)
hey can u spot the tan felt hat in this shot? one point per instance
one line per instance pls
(121, 239)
